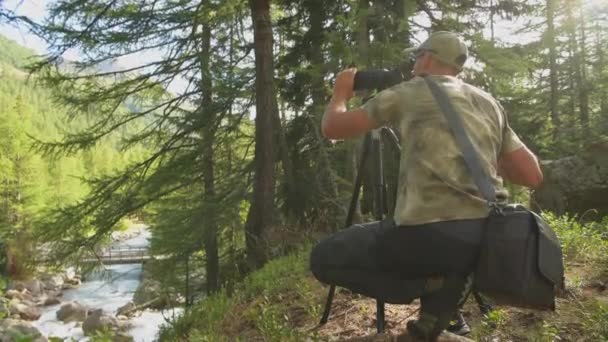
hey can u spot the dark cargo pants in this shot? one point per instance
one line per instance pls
(398, 264)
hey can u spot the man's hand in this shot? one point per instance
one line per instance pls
(345, 81)
(338, 123)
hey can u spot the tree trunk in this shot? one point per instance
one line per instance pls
(579, 93)
(365, 204)
(261, 210)
(208, 142)
(583, 86)
(553, 76)
(601, 60)
(327, 184)
(289, 180)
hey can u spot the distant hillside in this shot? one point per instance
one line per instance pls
(14, 54)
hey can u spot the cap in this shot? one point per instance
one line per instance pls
(446, 46)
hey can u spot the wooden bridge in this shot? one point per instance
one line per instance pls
(120, 256)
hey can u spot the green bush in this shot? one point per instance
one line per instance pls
(596, 321)
(260, 300)
(277, 275)
(580, 241)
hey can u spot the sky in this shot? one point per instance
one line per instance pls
(36, 10)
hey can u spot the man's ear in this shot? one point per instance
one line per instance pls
(427, 61)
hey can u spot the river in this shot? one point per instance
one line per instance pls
(107, 289)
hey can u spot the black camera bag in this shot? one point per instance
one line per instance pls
(520, 261)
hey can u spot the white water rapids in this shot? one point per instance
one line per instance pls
(108, 290)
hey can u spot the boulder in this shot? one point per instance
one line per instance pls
(20, 295)
(48, 299)
(122, 337)
(576, 184)
(72, 282)
(24, 310)
(72, 312)
(147, 291)
(52, 282)
(70, 273)
(98, 320)
(15, 330)
(34, 286)
(51, 300)
(126, 309)
(16, 285)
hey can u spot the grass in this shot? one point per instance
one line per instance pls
(267, 306)
(283, 302)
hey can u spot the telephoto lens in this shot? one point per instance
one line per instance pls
(376, 79)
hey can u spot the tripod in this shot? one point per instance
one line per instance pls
(373, 144)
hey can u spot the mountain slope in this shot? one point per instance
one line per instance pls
(13, 54)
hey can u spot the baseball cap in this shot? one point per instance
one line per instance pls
(446, 46)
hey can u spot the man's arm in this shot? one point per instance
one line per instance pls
(338, 122)
(521, 167)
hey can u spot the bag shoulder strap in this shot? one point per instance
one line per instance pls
(471, 159)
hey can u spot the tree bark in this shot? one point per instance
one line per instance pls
(210, 229)
(365, 204)
(553, 76)
(601, 60)
(584, 85)
(577, 66)
(261, 210)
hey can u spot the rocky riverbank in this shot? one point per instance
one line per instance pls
(122, 298)
(24, 301)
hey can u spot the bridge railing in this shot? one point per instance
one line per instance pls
(120, 255)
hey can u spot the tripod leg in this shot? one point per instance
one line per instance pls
(380, 316)
(484, 307)
(349, 221)
(380, 208)
(330, 298)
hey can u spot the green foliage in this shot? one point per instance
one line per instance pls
(596, 321)
(263, 301)
(201, 322)
(278, 275)
(580, 241)
(13, 54)
(33, 183)
(105, 335)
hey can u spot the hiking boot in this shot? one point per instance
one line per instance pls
(459, 326)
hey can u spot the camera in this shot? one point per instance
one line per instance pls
(380, 79)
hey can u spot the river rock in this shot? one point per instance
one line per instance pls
(14, 330)
(72, 312)
(148, 290)
(48, 300)
(122, 337)
(25, 310)
(51, 300)
(20, 295)
(52, 282)
(126, 309)
(69, 274)
(98, 320)
(35, 286)
(16, 285)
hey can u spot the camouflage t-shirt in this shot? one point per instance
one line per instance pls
(434, 183)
